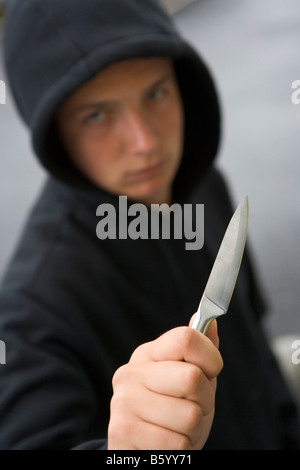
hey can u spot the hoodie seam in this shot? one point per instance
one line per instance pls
(52, 18)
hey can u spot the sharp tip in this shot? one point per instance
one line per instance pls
(245, 200)
(244, 205)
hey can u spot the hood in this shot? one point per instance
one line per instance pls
(52, 47)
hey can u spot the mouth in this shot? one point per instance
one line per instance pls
(146, 171)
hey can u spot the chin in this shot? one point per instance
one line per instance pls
(158, 194)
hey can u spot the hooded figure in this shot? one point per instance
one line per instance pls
(74, 307)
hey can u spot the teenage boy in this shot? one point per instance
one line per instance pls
(118, 104)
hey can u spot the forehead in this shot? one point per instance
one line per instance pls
(130, 76)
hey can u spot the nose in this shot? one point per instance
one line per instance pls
(140, 137)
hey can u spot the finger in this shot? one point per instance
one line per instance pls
(140, 435)
(132, 424)
(176, 414)
(182, 344)
(180, 380)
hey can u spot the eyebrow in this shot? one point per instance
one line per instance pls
(159, 82)
(102, 104)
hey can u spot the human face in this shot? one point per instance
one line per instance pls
(124, 129)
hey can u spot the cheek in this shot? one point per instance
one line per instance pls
(91, 153)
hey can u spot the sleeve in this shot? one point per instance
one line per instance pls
(47, 399)
(93, 445)
(52, 385)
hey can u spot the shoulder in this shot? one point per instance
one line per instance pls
(57, 232)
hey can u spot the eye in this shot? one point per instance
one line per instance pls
(157, 94)
(95, 118)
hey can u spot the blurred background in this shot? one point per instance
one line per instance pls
(252, 48)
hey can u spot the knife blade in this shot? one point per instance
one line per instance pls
(222, 279)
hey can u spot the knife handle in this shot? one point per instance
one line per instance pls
(207, 312)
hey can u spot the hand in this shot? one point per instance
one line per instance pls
(164, 397)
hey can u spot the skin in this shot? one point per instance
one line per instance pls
(164, 397)
(124, 130)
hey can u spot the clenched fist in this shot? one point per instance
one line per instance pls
(164, 397)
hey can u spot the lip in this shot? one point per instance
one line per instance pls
(147, 171)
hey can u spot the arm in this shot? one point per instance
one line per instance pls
(47, 400)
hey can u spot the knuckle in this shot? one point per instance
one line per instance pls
(115, 431)
(139, 353)
(120, 375)
(221, 363)
(120, 427)
(193, 416)
(122, 424)
(180, 442)
(193, 378)
(217, 365)
(118, 404)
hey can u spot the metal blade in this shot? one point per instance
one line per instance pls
(220, 285)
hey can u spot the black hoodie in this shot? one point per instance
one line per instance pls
(73, 308)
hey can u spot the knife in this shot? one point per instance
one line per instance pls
(221, 282)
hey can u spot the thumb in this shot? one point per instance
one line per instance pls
(192, 320)
(212, 333)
